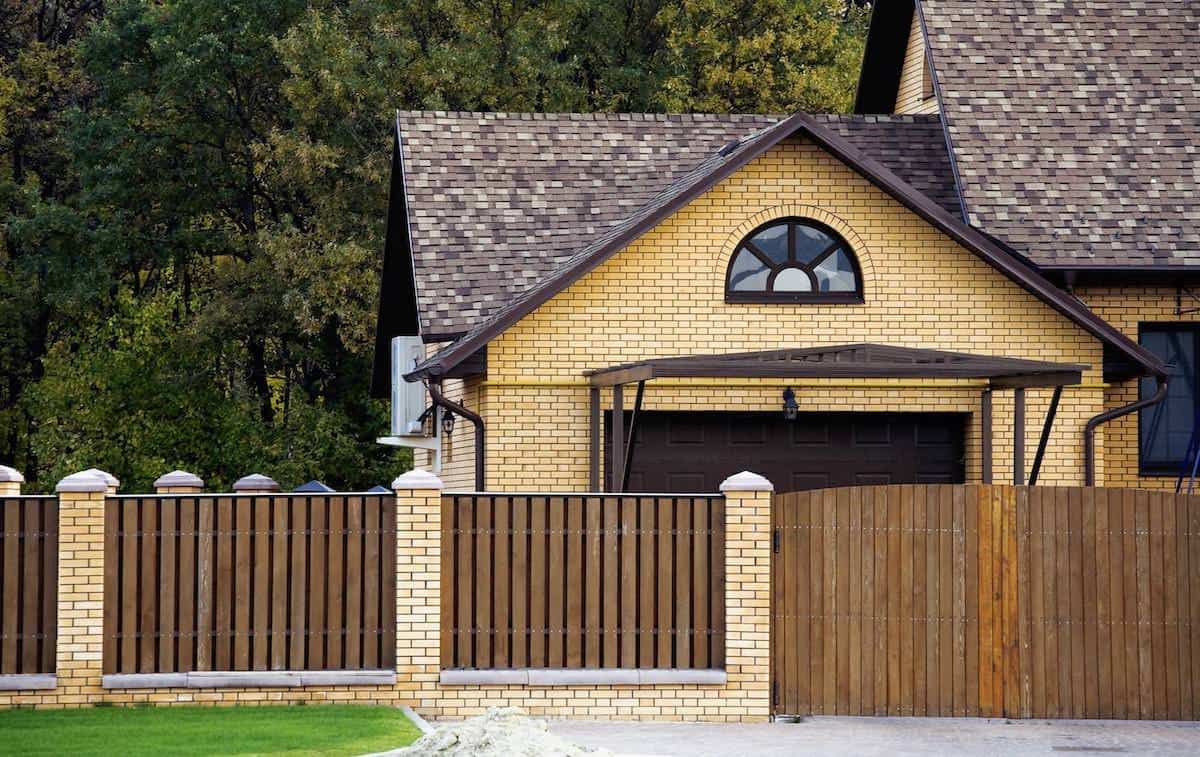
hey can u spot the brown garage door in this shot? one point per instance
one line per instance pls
(689, 452)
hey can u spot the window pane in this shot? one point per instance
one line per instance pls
(792, 280)
(810, 243)
(835, 274)
(749, 274)
(1165, 429)
(773, 242)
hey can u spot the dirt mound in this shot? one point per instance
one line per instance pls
(500, 732)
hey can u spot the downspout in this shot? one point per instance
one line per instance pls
(1089, 431)
(477, 420)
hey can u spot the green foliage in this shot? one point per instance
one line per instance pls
(193, 193)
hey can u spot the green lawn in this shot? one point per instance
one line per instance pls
(178, 731)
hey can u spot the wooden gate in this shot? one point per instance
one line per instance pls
(982, 600)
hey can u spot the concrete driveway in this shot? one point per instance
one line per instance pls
(892, 737)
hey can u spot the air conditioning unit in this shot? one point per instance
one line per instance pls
(408, 397)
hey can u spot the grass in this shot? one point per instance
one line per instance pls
(180, 731)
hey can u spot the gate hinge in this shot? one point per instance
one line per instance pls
(776, 537)
(775, 693)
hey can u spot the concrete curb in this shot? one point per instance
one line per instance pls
(583, 677)
(417, 720)
(250, 678)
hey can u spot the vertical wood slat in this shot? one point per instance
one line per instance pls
(579, 582)
(226, 582)
(28, 584)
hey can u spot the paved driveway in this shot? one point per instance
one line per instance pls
(892, 737)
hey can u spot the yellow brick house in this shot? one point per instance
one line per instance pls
(983, 274)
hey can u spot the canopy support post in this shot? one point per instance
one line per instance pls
(633, 419)
(617, 457)
(594, 439)
(1041, 450)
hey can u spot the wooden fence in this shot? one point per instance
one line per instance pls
(545, 581)
(28, 584)
(239, 583)
(987, 600)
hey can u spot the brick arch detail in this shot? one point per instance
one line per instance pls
(857, 244)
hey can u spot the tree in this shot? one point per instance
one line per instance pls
(761, 56)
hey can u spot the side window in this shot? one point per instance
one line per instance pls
(1165, 429)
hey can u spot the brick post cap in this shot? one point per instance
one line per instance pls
(256, 482)
(178, 478)
(83, 481)
(10, 475)
(746, 482)
(418, 478)
(109, 478)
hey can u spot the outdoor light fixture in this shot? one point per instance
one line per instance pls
(448, 423)
(789, 405)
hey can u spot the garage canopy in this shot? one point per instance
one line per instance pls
(848, 361)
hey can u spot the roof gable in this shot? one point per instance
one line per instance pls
(725, 164)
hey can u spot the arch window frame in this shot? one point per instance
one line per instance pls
(815, 296)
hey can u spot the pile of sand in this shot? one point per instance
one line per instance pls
(501, 732)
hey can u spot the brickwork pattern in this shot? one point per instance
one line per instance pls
(664, 296)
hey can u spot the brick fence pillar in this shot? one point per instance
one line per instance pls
(10, 482)
(178, 482)
(748, 592)
(418, 586)
(81, 586)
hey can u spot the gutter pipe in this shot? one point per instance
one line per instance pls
(477, 420)
(1089, 431)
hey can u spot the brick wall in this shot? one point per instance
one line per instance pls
(664, 296)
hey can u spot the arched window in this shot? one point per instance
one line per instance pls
(793, 260)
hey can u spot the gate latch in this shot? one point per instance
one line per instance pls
(775, 540)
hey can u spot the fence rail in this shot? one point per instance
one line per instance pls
(28, 584)
(987, 600)
(561, 581)
(243, 583)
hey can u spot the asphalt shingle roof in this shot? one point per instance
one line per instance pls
(1075, 126)
(497, 203)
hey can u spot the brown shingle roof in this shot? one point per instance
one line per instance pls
(497, 203)
(1075, 126)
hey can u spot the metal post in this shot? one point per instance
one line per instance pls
(594, 440)
(1041, 450)
(617, 458)
(633, 419)
(1018, 437)
(985, 431)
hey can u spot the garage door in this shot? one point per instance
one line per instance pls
(695, 451)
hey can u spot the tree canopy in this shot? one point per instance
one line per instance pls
(193, 193)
